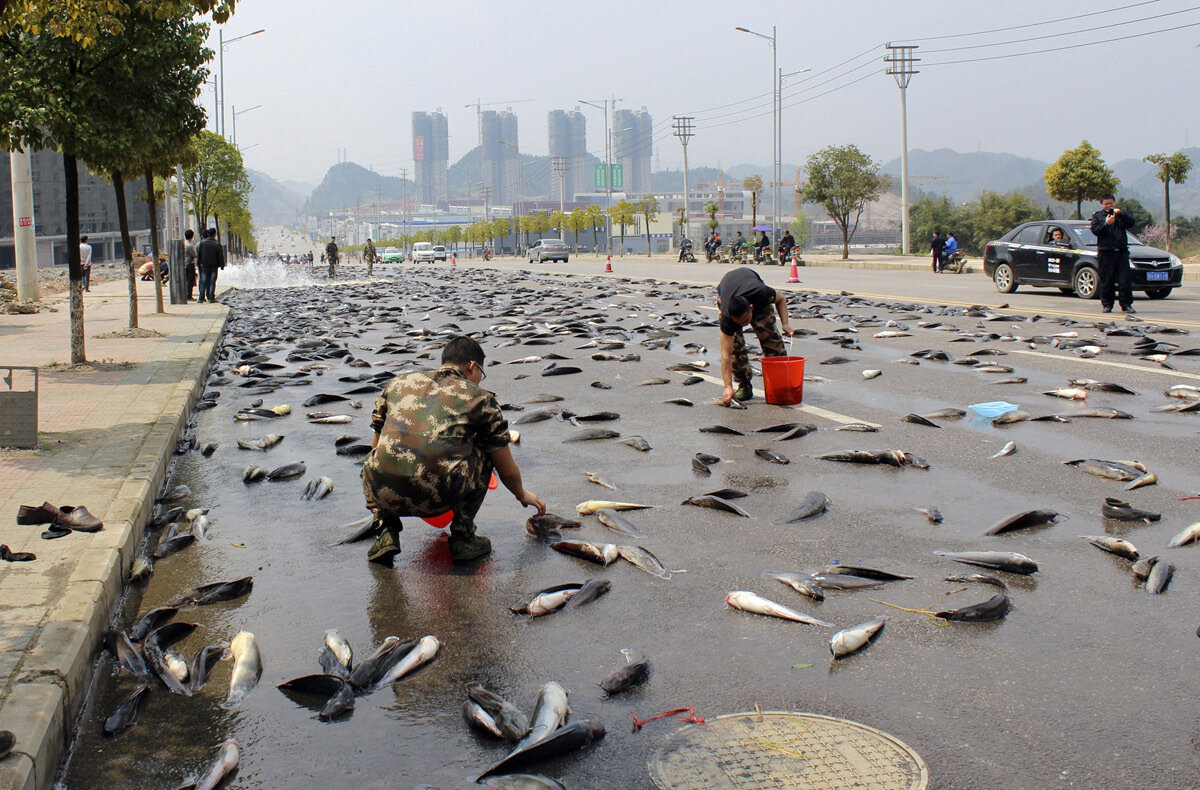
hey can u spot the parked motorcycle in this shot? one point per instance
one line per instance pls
(685, 252)
(956, 262)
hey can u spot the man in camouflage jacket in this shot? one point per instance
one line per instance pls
(437, 436)
(331, 255)
(370, 256)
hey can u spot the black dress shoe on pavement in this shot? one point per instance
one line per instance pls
(1129, 309)
(1107, 309)
(55, 531)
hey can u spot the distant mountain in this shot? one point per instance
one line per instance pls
(300, 187)
(347, 184)
(272, 203)
(1138, 180)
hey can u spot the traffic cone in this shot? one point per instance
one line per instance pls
(608, 265)
(794, 274)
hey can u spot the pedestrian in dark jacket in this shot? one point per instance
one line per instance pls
(936, 247)
(1110, 226)
(210, 256)
(189, 265)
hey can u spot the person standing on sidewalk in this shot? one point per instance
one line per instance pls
(189, 262)
(437, 436)
(743, 298)
(370, 256)
(210, 256)
(936, 247)
(1110, 226)
(85, 260)
(331, 255)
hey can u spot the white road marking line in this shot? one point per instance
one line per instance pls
(1122, 365)
(815, 411)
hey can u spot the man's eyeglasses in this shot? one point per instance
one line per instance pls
(482, 372)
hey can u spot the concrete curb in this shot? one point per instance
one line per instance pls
(53, 677)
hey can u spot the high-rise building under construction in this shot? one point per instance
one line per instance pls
(568, 139)
(501, 161)
(431, 155)
(633, 146)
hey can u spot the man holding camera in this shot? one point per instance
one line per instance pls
(1110, 226)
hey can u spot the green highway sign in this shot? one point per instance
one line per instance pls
(618, 177)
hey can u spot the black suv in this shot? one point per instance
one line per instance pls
(1029, 255)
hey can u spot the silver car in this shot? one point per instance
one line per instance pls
(548, 250)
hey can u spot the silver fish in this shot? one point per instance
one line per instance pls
(1007, 449)
(425, 651)
(1118, 546)
(339, 646)
(1189, 535)
(549, 713)
(851, 640)
(640, 557)
(751, 602)
(617, 523)
(802, 583)
(247, 668)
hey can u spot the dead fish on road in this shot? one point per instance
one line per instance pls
(700, 468)
(1188, 535)
(932, 513)
(590, 591)
(917, 419)
(1007, 449)
(945, 414)
(252, 474)
(752, 602)
(870, 374)
(1023, 520)
(1069, 393)
(679, 402)
(317, 489)
(1009, 561)
(993, 608)
(1101, 386)
(287, 471)
(978, 578)
(598, 480)
(813, 504)
(641, 557)
(851, 640)
(1118, 546)
(217, 592)
(599, 416)
(601, 553)
(225, 764)
(862, 572)
(638, 443)
(802, 583)
(859, 427)
(716, 503)
(772, 456)
(1160, 577)
(548, 526)
(247, 668)
(1123, 511)
(617, 523)
(329, 419)
(1010, 417)
(800, 430)
(592, 505)
(568, 738)
(592, 434)
(632, 673)
(898, 458)
(721, 429)
(1113, 470)
(511, 723)
(535, 416)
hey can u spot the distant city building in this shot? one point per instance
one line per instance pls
(431, 153)
(568, 138)
(500, 155)
(97, 212)
(633, 147)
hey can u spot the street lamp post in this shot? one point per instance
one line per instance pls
(236, 113)
(774, 125)
(779, 139)
(222, 43)
(607, 174)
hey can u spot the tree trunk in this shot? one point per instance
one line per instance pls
(647, 216)
(1079, 207)
(1167, 208)
(152, 204)
(845, 241)
(123, 217)
(753, 209)
(74, 267)
(622, 239)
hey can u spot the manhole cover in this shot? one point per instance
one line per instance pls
(800, 751)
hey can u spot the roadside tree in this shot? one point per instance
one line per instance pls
(558, 221)
(1170, 169)
(1078, 175)
(595, 217)
(843, 180)
(577, 220)
(711, 208)
(1142, 217)
(754, 185)
(623, 214)
(648, 208)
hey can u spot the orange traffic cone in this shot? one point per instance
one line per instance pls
(608, 265)
(794, 274)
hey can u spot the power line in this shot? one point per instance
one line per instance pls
(1067, 33)
(1063, 48)
(1038, 24)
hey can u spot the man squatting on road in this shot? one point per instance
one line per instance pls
(437, 436)
(743, 298)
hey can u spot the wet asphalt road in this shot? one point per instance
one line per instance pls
(1087, 682)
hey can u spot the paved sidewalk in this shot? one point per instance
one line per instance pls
(106, 435)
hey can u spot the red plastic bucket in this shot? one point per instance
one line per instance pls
(783, 380)
(442, 521)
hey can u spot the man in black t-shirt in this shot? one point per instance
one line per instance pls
(743, 298)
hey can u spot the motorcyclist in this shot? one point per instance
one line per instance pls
(949, 250)
(685, 249)
(785, 246)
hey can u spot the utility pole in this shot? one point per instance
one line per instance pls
(900, 62)
(485, 191)
(559, 163)
(683, 127)
(608, 168)
(24, 235)
(404, 205)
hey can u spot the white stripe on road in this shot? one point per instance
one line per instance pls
(1122, 365)
(815, 411)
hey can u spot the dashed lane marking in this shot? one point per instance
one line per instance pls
(816, 411)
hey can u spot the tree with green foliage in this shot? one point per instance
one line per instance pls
(1170, 168)
(843, 180)
(217, 184)
(932, 214)
(993, 215)
(647, 207)
(1078, 175)
(801, 228)
(558, 221)
(754, 184)
(1141, 215)
(577, 220)
(454, 234)
(596, 218)
(711, 208)
(499, 228)
(623, 213)
(85, 22)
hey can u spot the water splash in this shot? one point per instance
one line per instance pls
(268, 274)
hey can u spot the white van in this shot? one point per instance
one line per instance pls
(423, 252)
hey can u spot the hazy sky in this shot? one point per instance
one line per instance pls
(348, 75)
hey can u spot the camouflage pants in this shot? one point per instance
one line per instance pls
(462, 491)
(762, 321)
(370, 266)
